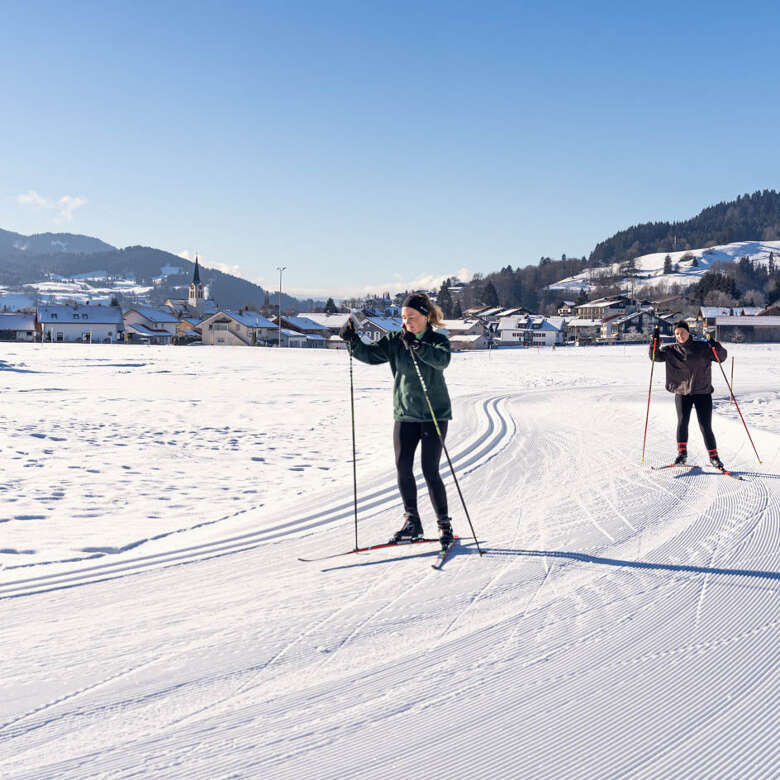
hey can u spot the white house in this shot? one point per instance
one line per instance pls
(584, 329)
(80, 323)
(18, 327)
(150, 326)
(531, 330)
(231, 328)
(463, 327)
(463, 342)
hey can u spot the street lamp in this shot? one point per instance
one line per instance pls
(280, 269)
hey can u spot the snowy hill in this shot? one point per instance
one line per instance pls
(157, 623)
(52, 243)
(650, 268)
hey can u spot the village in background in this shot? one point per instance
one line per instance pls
(87, 309)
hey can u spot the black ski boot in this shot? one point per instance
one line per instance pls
(445, 532)
(411, 530)
(682, 454)
(716, 461)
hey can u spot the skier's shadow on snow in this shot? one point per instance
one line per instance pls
(461, 548)
(698, 471)
(677, 567)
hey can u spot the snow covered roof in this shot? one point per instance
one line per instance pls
(767, 321)
(143, 330)
(17, 322)
(102, 315)
(154, 315)
(315, 337)
(459, 324)
(249, 319)
(327, 320)
(386, 324)
(293, 334)
(582, 322)
(750, 311)
(304, 323)
(716, 311)
(467, 339)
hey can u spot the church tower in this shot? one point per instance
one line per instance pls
(197, 295)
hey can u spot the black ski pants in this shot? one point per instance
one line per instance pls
(703, 404)
(406, 437)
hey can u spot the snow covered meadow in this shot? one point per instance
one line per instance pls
(157, 623)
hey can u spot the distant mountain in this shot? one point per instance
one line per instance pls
(753, 217)
(51, 243)
(27, 259)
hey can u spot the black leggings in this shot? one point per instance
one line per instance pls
(703, 404)
(406, 437)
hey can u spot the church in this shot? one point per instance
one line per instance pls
(197, 306)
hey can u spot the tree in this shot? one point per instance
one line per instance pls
(489, 295)
(457, 313)
(330, 306)
(581, 298)
(445, 300)
(668, 264)
(695, 262)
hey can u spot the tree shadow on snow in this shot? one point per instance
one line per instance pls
(675, 567)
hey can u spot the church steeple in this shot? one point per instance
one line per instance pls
(197, 292)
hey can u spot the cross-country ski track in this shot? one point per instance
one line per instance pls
(623, 622)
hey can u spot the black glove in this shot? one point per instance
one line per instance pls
(348, 332)
(410, 340)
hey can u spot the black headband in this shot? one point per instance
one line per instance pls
(417, 302)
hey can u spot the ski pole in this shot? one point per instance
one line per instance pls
(647, 416)
(444, 446)
(354, 451)
(732, 379)
(725, 378)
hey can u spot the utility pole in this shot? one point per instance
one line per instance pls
(280, 269)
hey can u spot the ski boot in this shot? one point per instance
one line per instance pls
(410, 531)
(715, 460)
(445, 532)
(682, 454)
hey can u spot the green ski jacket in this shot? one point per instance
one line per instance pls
(433, 356)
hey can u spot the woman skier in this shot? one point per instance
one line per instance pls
(689, 377)
(413, 421)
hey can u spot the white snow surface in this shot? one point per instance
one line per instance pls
(156, 620)
(650, 268)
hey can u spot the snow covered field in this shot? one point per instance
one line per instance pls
(157, 623)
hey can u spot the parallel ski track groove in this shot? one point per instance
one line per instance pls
(474, 455)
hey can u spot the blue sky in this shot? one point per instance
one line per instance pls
(365, 145)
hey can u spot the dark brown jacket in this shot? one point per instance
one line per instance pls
(688, 366)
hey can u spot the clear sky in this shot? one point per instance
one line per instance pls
(369, 145)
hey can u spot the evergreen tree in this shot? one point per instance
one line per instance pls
(489, 295)
(330, 306)
(445, 300)
(695, 262)
(457, 313)
(668, 264)
(581, 298)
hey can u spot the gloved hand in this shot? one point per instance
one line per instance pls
(348, 332)
(411, 341)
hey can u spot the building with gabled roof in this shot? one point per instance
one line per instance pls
(18, 326)
(63, 323)
(242, 328)
(147, 325)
